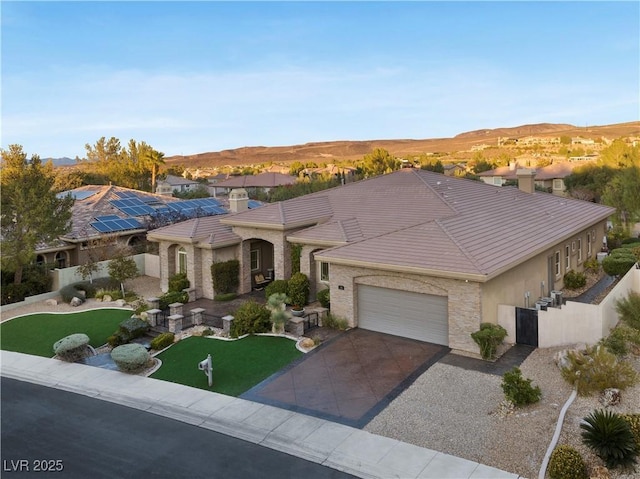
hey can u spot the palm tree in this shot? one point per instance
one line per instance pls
(153, 159)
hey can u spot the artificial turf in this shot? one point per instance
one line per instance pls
(36, 333)
(237, 365)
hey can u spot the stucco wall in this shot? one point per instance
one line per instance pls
(463, 298)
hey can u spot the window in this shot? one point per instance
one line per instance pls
(255, 259)
(61, 260)
(567, 258)
(558, 184)
(182, 260)
(557, 263)
(324, 271)
(579, 250)
(589, 245)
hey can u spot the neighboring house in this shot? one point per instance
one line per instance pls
(549, 177)
(455, 169)
(212, 184)
(108, 217)
(176, 183)
(411, 253)
(262, 181)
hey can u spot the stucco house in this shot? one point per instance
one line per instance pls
(411, 253)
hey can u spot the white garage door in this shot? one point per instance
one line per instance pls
(403, 313)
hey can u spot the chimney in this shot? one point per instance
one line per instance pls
(238, 200)
(526, 180)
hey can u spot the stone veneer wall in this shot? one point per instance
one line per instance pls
(463, 298)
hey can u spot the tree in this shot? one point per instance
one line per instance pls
(31, 213)
(153, 159)
(121, 269)
(379, 162)
(623, 192)
(620, 155)
(589, 182)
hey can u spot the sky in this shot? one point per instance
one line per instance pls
(194, 77)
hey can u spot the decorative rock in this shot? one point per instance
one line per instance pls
(51, 302)
(600, 472)
(120, 302)
(144, 316)
(307, 343)
(75, 301)
(610, 397)
(106, 298)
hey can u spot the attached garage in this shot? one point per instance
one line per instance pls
(404, 313)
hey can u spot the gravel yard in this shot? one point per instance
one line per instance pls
(458, 412)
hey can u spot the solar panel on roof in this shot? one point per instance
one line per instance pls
(254, 204)
(107, 218)
(101, 227)
(77, 195)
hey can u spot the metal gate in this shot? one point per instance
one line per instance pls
(527, 326)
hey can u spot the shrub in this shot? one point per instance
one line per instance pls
(619, 262)
(489, 337)
(630, 242)
(173, 297)
(69, 292)
(179, 282)
(162, 341)
(616, 342)
(35, 280)
(133, 327)
(324, 298)
(574, 280)
(277, 286)
(609, 436)
(629, 310)
(596, 369)
(519, 390)
(116, 339)
(208, 332)
(130, 358)
(592, 265)
(225, 297)
(566, 463)
(225, 276)
(298, 290)
(634, 424)
(250, 318)
(335, 322)
(72, 347)
(296, 251)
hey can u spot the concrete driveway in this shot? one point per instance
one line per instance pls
(350, 378)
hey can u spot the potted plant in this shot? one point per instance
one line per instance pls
(276, 304)
(298, 293)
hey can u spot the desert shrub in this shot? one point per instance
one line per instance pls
(171, 297)
(616, 342)
(162, 341)
(298, 290)
(324, 298)
(618, 262)
(634, 424)
(609, 436)
(592, 265)
(596, 369)
(629, 310)
(574, 280)
(130, 358)
(225, 297)
(72, 347)
(116, 339)
(250, 318)
(277, 286)
(208, 332)
(225, 276)
(335, 322)
(519, 390)
(179, 282)
(489, 337)
(113, 293)
(566, 463)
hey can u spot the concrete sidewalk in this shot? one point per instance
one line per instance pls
(334, 445)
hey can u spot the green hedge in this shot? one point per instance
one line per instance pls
(619, 262)
(162, 341)
(225, 276)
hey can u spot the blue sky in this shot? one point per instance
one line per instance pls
(191, 77)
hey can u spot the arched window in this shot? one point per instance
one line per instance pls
(182, 260)
(61, 259)
(40, 260)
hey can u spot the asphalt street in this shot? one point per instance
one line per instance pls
(52, 433)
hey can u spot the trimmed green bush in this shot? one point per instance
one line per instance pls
(324, 297)
(596, 369)
(609, 436)
(574, 280)
(296, 251)
(70, 291)
(179, 282)
(225, 297)
(134, 327)
(225, 276)
(162, 341)
(566, 463)
(618, 262)
(131, 358)
(634, 424)
(171, 297)
(298, 290)
(489, 337)
(72, 347)
(250, 318)
(277, 286)
(519, 390)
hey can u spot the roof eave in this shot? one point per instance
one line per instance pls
(274, 226)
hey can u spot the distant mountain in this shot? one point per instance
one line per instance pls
(64, 161)
(326, 152)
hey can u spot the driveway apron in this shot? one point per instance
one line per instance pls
(350, 378)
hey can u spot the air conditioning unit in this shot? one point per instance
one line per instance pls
(557, 298)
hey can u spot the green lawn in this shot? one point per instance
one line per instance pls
(36, 333)
(237, 365)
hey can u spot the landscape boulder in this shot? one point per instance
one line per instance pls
(75, 301)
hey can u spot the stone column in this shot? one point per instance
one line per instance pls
(175, 323)
(196, 316)
(192, 294)
(153, 303)
(226, 323)
(175, 308)
(152, 316)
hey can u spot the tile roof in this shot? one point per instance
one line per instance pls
(206, 230)
(263, 180)
(420, 220)
(549, 172)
